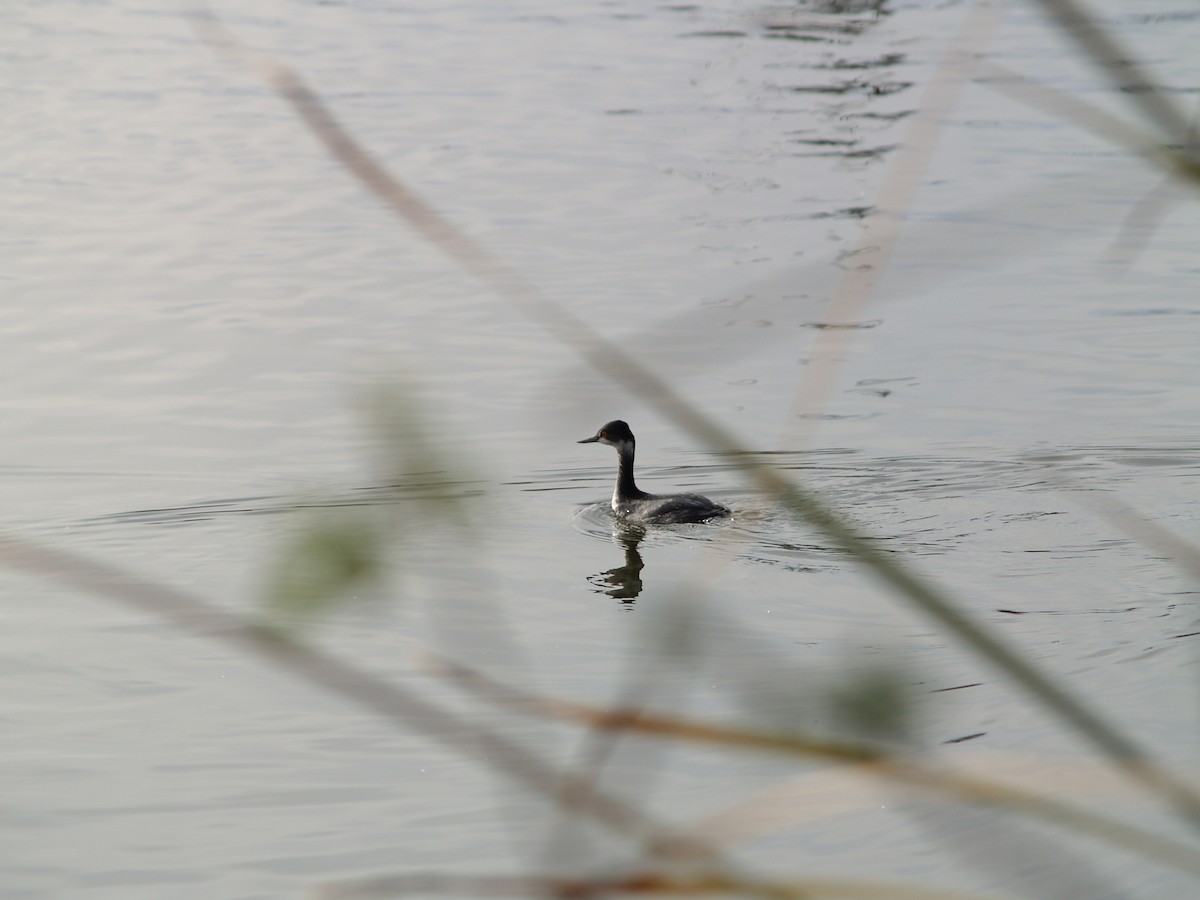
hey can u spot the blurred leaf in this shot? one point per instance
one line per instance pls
(323, 564)
(420, 487)
(416, 462)
(874, 704)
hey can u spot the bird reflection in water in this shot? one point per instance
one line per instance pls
(623, 583)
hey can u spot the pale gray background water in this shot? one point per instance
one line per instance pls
(196, 296)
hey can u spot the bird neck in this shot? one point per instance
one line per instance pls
(626, 487)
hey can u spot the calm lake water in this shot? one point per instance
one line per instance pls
(200, 300)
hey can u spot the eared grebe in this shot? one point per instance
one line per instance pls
(637, 506)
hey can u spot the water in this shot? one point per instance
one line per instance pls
(199, 298)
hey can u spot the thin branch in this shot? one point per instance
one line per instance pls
(866, 760)
(1179, 164)
(1119, 64)
(638, 883)
(1162, 540)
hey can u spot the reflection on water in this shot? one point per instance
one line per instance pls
(623, 583)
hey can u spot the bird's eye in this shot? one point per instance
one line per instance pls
(603, 434)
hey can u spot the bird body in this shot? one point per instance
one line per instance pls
(635, 505)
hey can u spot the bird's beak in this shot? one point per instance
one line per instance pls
(593, 439)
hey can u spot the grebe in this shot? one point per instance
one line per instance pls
(637, 506)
